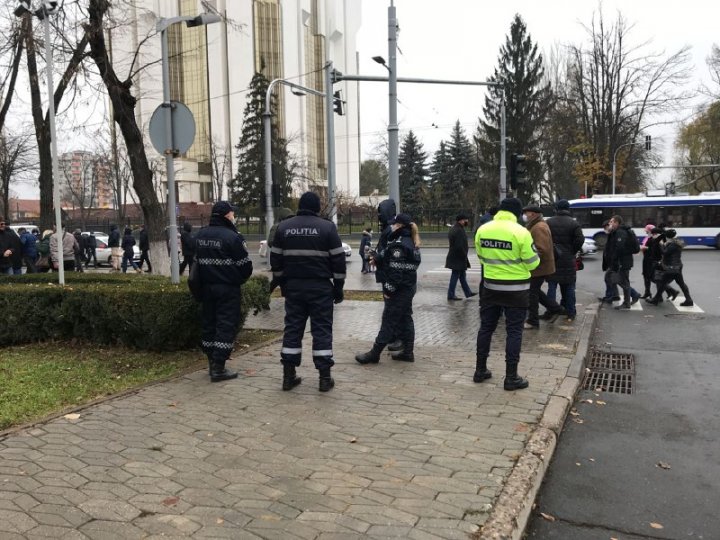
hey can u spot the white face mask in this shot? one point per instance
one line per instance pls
(525, 218)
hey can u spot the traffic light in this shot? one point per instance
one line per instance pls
(648, 142)
(338, 103)
(517, 170)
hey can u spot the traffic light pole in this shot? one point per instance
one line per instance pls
(393, 136)
(330, 134)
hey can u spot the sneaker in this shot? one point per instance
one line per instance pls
(471, 295)
(528, 326)
(634, 300)
(687, 303)
(548, 315)
(453, 298)
(570, 318)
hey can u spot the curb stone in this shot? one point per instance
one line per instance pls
(511, 511)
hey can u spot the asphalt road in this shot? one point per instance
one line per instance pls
(645, 465)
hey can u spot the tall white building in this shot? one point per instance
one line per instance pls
(211, 68)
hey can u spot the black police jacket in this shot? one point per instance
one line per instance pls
(221, 254)
(307, 247)
(399, 261)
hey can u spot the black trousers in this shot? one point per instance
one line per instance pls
(186, 262)
(514, 320)
(144, 257)
(313, 299)
(397, 321)
(90, 254)
(664, 284)
(220, 320)
(537, 296)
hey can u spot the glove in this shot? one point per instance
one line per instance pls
(275, 283)
(338, 294)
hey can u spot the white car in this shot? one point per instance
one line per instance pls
(589, 247)
(263, 251)
(102, 251)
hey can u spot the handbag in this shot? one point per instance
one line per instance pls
(43, 263)
(579, 264)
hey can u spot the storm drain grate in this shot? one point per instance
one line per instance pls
(606, 361)
(610, 372)
(609, 381)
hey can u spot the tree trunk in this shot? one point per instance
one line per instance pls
(123, 104)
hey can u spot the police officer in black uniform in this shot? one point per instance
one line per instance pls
(308, 263)
(223, 266)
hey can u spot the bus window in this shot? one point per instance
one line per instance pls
(644, 215)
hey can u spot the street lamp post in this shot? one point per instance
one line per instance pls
(298, 90)
(393, 141)
(162, 26)
(46, 9)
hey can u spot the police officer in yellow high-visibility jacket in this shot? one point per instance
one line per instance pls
(507, 253)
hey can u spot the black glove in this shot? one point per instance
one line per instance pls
(274, 284)
(338, 294)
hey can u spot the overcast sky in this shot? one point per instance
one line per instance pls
(461, 39)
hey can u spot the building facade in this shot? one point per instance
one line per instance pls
(211, 68)
(85, 181)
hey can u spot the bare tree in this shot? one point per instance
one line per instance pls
(16, 161)
(221, 164)
(14, 46)
(617, 90)
(82, 173)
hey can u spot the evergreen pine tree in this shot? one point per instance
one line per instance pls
(462, 172)
(527, 101)
(439, 177)
(413, 174)
(247, 189)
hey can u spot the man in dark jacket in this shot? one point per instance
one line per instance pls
(187, 243)
(114, 245)
(365, 247)
(91, 250)
(568, 240)
(620, 251)
(29, 249)
(144, 248)
(308, 263)
(10, 248)
(223, 266)
(457, 260)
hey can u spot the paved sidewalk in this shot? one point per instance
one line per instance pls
(395, 450)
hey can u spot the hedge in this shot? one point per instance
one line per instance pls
(144, 312)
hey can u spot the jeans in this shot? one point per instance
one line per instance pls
(128, 258)
(460, 275)
(567, 292)
(514, 320)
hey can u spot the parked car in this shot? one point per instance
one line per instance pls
(102, 251)
(589, 247)
(263, 251)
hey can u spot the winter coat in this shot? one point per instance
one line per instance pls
(222, 257)
(91, 241)
(128, 242)
(10, 240)
(365, 241)
(568, 240)
(386, 211)
(144, 240)
(399, 260)
(651, 256)
(457, 257)
(114, 237)
(543, 240)
(69, 247)
(187, 241)
(29, 245)
(672, 256)
(618, 250)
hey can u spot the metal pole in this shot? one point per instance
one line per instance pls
(503, 148)
(169, 162)
(330, 134)
(267, 129)
(393, 143)
(613, 170)
(53, 148)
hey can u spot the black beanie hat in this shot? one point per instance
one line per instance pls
(511, 204)
(310, 201)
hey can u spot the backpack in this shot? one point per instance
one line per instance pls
(633, 243)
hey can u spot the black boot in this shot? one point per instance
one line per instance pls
(290, 378)
(396, 345)
(513, 381)
(406, 354)
(219, 373)
(370, 357)
(482, 373)
(687, 303)
(326, 381)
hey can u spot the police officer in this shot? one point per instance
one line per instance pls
(506, 250)
(386, 213)
(308, 263)
(223, 266)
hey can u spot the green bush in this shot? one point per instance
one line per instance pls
(145, 312)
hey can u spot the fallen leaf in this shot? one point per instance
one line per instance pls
(592, 459)
(250, 372)
(578, 420)
(547, 516)
(587, 401)
(173, 404)
(521, 428)
(171, 501)
(599, 389)
(656, 525)
(578, 464)
(72, 416)
(613, 538)
(219, 521)
(601, 402)
(353, 440)
(573, 412)
(663, 465)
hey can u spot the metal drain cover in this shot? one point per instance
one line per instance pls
(610, 372)
(686, 316)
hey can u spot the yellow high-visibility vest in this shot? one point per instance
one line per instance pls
(507, 253)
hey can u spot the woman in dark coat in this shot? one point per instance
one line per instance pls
(457, 259)
(671, 266)
(399, 261)
(128, 242)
